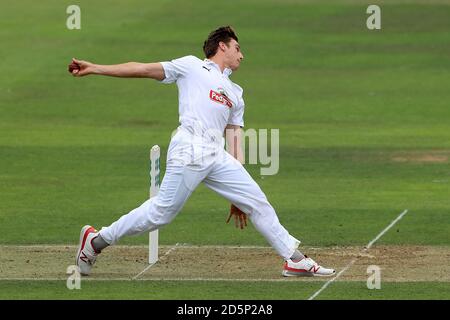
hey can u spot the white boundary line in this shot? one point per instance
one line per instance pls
(369, 245)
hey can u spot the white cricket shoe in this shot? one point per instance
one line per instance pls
(306, 267)
(86, 254)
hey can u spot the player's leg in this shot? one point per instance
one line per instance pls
(178, 183)
(230, 179)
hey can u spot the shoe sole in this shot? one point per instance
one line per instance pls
(286, 273)
(81, 246)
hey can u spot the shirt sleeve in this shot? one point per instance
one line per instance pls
(237, 114)
(176, 68)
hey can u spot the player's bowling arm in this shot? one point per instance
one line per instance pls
(132, 70)
(125, 70)
(233, 136)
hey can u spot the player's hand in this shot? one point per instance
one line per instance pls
(79, 68)
(240, 218)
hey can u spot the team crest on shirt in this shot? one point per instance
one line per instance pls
(220, 96)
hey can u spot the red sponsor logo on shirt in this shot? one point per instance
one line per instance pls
(220, 98)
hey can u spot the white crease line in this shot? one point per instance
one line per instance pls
(166, 279)
(181, 245)
(160, 259)
(369, 245)
(385, 230)
(189, 246)
(332, 280)
(143, 271)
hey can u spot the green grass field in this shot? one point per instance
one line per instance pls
(363, 118)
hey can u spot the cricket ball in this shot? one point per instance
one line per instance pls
(73, 66)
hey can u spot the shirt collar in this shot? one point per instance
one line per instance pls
(226, 71)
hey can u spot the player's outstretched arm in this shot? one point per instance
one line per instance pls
(80, 68)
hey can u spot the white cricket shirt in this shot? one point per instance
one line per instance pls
(208, 99)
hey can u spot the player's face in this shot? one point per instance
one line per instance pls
(233, 54)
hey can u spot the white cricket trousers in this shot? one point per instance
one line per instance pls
(190, 161)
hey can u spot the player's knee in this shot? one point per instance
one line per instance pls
(166, 212)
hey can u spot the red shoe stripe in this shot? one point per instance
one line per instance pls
(86, 233)
(294, 269)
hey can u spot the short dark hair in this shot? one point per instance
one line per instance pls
(224, 34)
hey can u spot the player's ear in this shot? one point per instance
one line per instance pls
(222, 45)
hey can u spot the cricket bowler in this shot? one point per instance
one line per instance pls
(210, 107)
